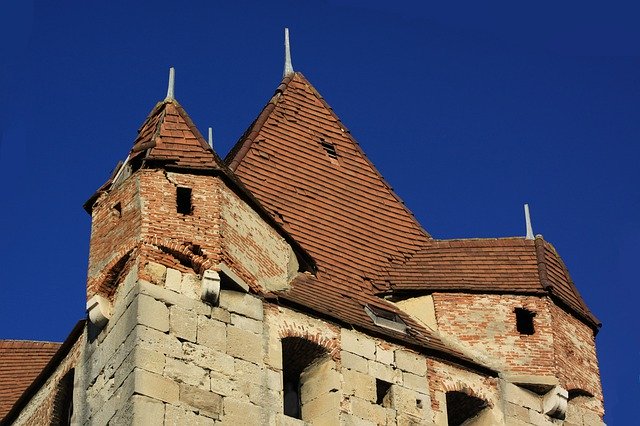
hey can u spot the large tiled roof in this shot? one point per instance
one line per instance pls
(20, 363)
(301, 162)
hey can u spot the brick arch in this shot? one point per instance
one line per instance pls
(331, 346)
(104, 282)
(181, 251)
(466, 388)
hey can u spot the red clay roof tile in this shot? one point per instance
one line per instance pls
(20, 362)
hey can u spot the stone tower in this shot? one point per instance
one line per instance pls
(289, 285)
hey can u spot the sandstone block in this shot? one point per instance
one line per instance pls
(148, 359)
(354, 362)
(274, 380)
(153, 313)
(266, 398)
(242, 413)
(220, 314)
(351, 420)
(415, 382)
(367, 410)
(522, 397)
(172, 298)
(385, 356)
(411, 362)
(208, 358)
(156, 272)
(385, 372)
(212, 333)
(208, 403)
(155, 386)
(155, 340)
(190, 286)
(244, 345)
(359, 384)
(146, 411)
(319, 382)
(358, 343)
(183, 371)
(242, 303)
(249, 372)
(282, 420)
(246, 323)
(178, 416)
(173, 280)
(317, 408)
(221, 384)
(183, 323)
(273, 357)
(328, 418)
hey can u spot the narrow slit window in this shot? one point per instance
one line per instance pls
(330, 149)
(524, 321)
(183, 200)
(117, 210)
(383, 391)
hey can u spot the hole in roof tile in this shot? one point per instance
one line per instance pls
(329, 148)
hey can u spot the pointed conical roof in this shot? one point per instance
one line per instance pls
(169, 138)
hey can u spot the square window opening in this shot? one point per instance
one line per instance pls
(524, 321)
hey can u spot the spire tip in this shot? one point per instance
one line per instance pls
(288, 67)
(527, 218)
(170, 88)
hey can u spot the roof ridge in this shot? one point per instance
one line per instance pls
(30, 341)
(242, 146)
(585, 311)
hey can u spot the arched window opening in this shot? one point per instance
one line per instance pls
(303, 362)
(462, 407)
(63, 401)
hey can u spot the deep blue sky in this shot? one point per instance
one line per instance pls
(468, 111)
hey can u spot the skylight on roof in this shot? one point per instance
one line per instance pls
(387, 319)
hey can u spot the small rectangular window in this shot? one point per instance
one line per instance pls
(183, 200)
(524, 321)
(383, 393)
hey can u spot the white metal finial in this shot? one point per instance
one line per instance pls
(211, 137)
(172, 81)
(288, 67)
(527, 219)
